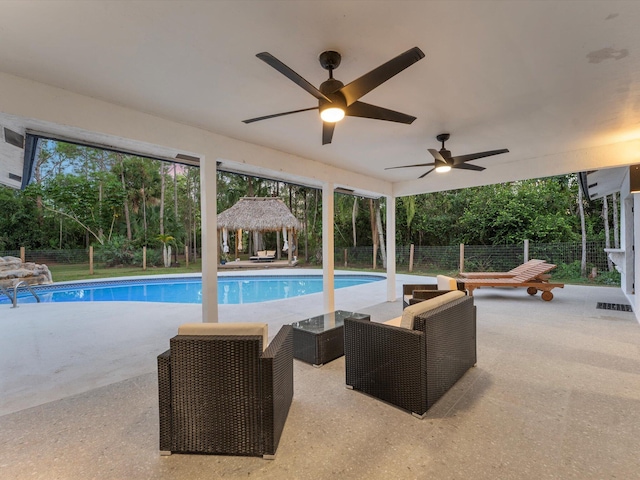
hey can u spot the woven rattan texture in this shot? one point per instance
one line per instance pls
(225, 393)
(412, 368)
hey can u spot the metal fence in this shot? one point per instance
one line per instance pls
(477, 258)
(440, 258)
(81, 256)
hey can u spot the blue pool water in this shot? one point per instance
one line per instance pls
(231, 290)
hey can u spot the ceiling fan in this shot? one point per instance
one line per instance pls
(335, 100)
(443, 161)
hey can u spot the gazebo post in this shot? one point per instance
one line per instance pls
(289, 251)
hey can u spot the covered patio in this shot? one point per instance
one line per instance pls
(556, 390)
(554, 395)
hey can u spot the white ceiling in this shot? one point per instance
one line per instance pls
(545, 79)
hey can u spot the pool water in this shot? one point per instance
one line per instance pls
(231, 290)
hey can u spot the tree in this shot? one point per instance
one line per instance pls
(166, 240)
(583, 260)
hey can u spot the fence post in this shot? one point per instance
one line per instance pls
(186, 256)
(375, 255)
(345, 257)
(90, 259)
(526, 251)
(144, 258)
(461, 257)
(22, 255)
(411, 258)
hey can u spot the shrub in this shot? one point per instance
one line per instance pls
(117, 251)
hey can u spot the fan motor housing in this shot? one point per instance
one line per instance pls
(330, 60)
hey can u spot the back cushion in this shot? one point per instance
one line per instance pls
(446, 283)
(411, 311)
(247, 328)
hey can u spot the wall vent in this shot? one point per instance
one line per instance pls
(15, 177)
(13, 138)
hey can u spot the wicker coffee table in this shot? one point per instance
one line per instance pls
(318, 340)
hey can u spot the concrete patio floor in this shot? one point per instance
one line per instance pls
(556, 394)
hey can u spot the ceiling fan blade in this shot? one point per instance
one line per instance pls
(469, 166)
(475, 156)
(367, 82)
(257, 119)
(291, 75)
(416, 165)
(365, 110)
(427, 173)
(436, 155)
(327, 132)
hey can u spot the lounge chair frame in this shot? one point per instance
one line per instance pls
(534, 279)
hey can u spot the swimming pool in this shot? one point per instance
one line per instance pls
(232, 290)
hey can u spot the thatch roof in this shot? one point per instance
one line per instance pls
(258, 214)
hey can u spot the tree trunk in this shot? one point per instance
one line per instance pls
(383, 250)
(100, 231)
(583, 230)
(354, 216)
(616, 226)
(144, 214)
(126, 198)
(162, 192)
(175, 194)
(306, 226)
(372, 220)
(607, 235)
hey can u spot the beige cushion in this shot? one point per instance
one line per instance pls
(412, 310)
(247, 328)
(261, 253)
(394, 322)
(446, 283)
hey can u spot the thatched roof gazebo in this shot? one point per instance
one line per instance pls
(260, 214)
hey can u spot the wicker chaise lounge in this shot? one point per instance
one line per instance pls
(412, 365)
(510, 274)
(535, 279)
(220, 393)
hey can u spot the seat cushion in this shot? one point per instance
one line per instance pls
(446, 283)
(247, 328)
(411, 311)
(395, 322)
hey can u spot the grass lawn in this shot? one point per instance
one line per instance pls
(66, 273)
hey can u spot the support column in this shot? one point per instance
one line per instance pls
(209, 240)
(636, 256)
(391, 249)
(327, 248)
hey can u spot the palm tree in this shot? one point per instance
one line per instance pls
(166, 248)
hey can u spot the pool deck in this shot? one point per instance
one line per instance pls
(555, 395)
(73, 347)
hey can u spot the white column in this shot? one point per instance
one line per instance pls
(627, 231)
(327, 248)
(636, 259)
(391, 248)
(209, 240)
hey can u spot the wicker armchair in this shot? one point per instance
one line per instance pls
(222, 394)
(412, 368)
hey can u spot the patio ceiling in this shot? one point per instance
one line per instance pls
(555, 82)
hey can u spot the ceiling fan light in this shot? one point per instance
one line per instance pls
(443, 168)
(332, 114)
